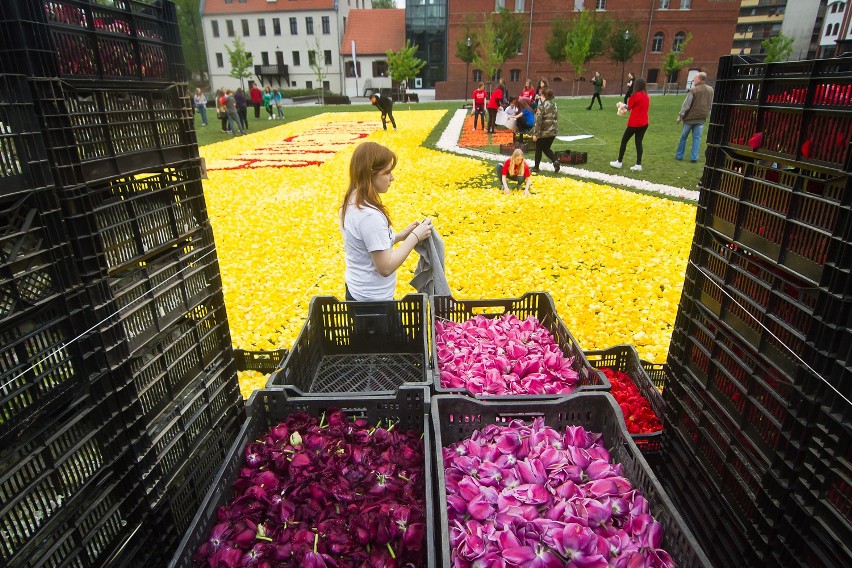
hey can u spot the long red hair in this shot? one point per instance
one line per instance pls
(368, 159)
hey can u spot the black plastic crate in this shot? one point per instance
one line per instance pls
(624, 358)
(23, 156)
(137, 551)
(270, 407)
(261, 361)
(128, 40)
(48, 473)
(36, 265)
(99, 132)
(814, 534)
(128, 219)
(358, 347)
(537, 304)
(165, 442)
(455, 418)
(657, 372)
(42, 365)
(134, 306)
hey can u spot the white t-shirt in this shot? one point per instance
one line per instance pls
(364, 231)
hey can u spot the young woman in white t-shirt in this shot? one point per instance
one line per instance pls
(368, 239)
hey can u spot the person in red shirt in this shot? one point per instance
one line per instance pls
(494, 103)
(479, 96)
(516, 169)
(528, 92)
(637, 124)
(256, 96)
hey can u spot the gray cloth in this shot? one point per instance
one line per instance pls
(429, 277)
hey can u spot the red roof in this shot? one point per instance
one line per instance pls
(253, 6)
(374, 31)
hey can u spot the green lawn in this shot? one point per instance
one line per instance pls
(606, 127)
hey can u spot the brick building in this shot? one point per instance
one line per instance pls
(659, 22)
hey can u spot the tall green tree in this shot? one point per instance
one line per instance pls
(498, 39)
(673, 63)
(383, 4)
(621, 48)
(777, 48)
(464, 52)
(586, 39)
(555, 44)
(240, 62)
(404, 64)
(192, 38)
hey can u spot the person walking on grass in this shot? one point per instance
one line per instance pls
(637, 123)
(598, 83)
(693, 114)
(385, 105)
(545, 128)
(200, 102)
(269, 102)
(480, 95)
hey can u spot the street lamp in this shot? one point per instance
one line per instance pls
(468, 42)
(624, 56)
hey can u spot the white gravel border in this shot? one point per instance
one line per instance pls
(449, 142)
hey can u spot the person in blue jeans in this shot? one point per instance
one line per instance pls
(693, 114)
(200, 102)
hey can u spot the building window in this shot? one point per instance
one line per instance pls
(312, 57)
(296, 61)
(245, 28)
(836, 29)
(350, 69)
(309, 84)
(249, 57)
(214, 25)
(677, 44)
(664, 4)
(600, 5)
(327, 56)
(477, 75)
(309, 25)
(380, 68)
(685, 4)
(229, 1)
(261, 27)
(657, 43)
(519, 5)
(264, 58)
(514, 75)
(229, 25)
(499, 5)
(326, 25)
(653, 74)
(276, 26)
(294, 27)
(220, 61)
(326, 85)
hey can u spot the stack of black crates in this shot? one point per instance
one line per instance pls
(758, 436)
(118, 390)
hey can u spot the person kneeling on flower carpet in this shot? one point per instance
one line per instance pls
(384, 104)
(368, 239)
(517, 169)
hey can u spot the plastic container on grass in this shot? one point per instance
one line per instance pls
(99, 131)
(624, 358)
(128, 40)
(261, 361)
(537, 304)
(455, 418)
(23, 155)
(360, 348)
(269, 407)
(121, 222)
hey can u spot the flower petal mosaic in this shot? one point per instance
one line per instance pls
(613, 260)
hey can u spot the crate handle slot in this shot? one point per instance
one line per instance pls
(488, 311)
(524, 416)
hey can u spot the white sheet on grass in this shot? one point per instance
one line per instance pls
(576, 137)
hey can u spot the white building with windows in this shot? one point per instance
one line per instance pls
(283, 38)
(832, 25)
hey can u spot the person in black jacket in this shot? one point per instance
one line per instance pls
(384, 104)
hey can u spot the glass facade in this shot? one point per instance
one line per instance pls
(426, 26)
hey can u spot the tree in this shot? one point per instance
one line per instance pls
(464, 53)
(404, 63)
(621, 48)
(317, 64)
(777, 48)
(500, 38)
(383, 4)
(192, 38)
(673, 63)
(555, 44)
(240, 63)
(509, 27)
(586, 39)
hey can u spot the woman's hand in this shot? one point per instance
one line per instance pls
(403, 234)
(423, 230)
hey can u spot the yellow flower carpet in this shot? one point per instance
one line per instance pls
(613, 260)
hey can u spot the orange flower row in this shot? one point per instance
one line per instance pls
(471, 138)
